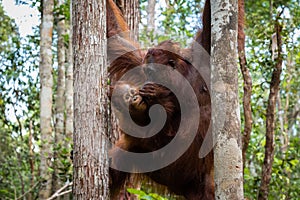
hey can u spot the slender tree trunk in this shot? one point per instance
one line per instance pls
(247, 80)
(59, 101)
(151, 16)
(225, 102)
(90, 100)
(46, 80)
(69, 100)
(31, 161)
(151, 21)
(69, 90)
(270, 118)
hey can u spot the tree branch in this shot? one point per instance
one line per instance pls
(23, 195)
(247, 80)
(270, 119)
(59, 192)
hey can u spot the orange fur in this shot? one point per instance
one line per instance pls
(115, 20)
(189, 175)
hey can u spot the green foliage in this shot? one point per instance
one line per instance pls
(7, 27)
(19, 105)
(145, 196)
(260, 18)
(179, 21)
(63, 11)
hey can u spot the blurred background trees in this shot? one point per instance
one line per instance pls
(20, 134)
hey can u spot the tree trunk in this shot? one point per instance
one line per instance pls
(59, 101)
(46, 97)
(270, 118)
(247, 80)
(225, 102)
(151, 16)
(69, 111)
(69, 90)
(131, 12)
(31, 160)
(90, 100)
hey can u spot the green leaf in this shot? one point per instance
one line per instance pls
(294, 162)
(136, 192)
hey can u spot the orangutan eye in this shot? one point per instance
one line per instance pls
(157, 52)
(132, 92)
(127, 97)
(172, 63)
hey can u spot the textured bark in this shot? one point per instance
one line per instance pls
(46, 80)
(132, 15)
(90, 180)
(270, 119)
(59, 101)
(225, 102)
(247, 80)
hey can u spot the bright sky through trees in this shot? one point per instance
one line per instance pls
(25, 16)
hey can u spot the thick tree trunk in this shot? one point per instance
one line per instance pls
(225, 102)
(270, 119)
(59, 101)
(90, 100)
(247, 80)
(46, 98)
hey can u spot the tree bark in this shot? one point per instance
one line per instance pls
(270, 118)
(90, 100)
(247, 80)
(225, 102)
(132, 15)
(59, 101)
(46, 80)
